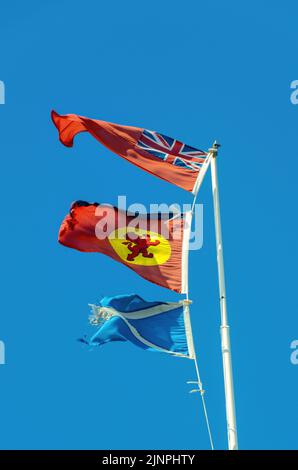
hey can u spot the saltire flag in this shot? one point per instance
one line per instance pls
(158, 154)
(156, 326)
(155, 246)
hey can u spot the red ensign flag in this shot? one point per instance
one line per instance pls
(154, 246)
(158, 154)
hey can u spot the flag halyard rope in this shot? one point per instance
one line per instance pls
(199, 384)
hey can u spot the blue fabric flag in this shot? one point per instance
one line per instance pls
(157, 326)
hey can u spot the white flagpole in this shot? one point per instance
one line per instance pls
(224, 327)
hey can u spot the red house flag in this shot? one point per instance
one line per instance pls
(154, 246)
(162, 156)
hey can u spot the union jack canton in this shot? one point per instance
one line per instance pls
(171, 150)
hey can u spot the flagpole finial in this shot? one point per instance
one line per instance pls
(214, 148)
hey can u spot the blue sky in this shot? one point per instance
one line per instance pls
(197, 71)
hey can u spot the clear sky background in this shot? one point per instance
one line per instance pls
(197, 71)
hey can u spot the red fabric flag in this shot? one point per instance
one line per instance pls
(162, 156)
(154, 246)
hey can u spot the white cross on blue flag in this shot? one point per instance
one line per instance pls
(156, 326)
